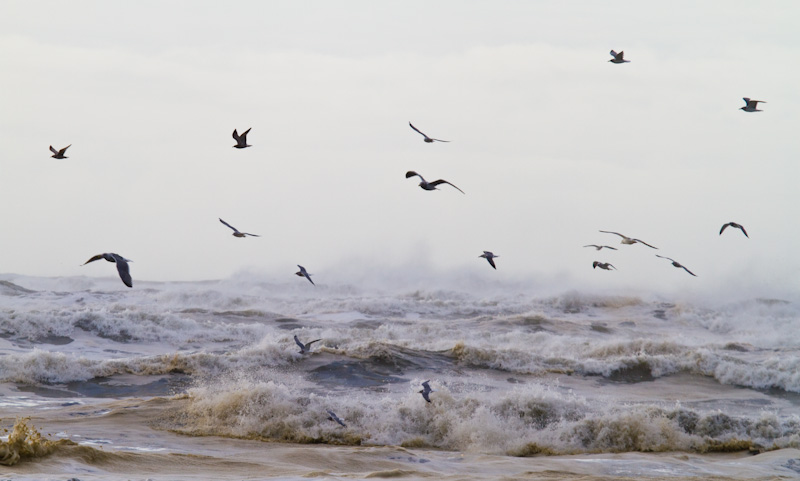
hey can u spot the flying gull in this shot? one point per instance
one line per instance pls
(59, 154)
(752, 105)
(430, 185)
(333, 417)
(735, 226)
(427, 139)
(426, 390)
(597, 247)
(241, 140)
(489, 257)
(602, 265)
(302, 273)
(304, 348)
(122, 266)
(628, 240)
(677, 264)
(618, 57)
(236, 232)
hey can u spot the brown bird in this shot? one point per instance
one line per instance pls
(59, 154)
(430, 185)
(241, 140)
(602, 265)
(735, 226)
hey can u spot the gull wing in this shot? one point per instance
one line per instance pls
(442, 181)
(744, 231)
(411, 173)
(123, 269)
(235, 135)
(53, 150)
(724, 226)
(417, 130)
(690, 272)
(95, 258)
(613, 54)
(297, 341)
(491, 262)
(609, 232)
(309, 343)
(663, 257)
(254, 235)
(645, 243)
(232, 227)
(64, 150)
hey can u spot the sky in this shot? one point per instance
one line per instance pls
(550, 142)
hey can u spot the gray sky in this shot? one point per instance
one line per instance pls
(550, 141)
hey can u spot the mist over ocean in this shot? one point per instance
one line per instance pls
(526, 379)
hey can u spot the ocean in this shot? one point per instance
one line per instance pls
(203, 381)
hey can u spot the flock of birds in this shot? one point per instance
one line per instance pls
(241, 142)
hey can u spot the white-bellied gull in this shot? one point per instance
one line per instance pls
(333, 417)
(603, 265)
(241, 140)
(430, 185)
(751, 105)
(735, 226)
(426, 390)
(122, 265)
(489, 257)
(618, 57)
(236, 232)
(427, 139)
(59, 154)
(628, 240)
(303, 273)
(304, 348)
(597, 247)
(677, 264)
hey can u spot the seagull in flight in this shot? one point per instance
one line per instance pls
(677, 264)
(618, 57)
(333, 417)
(59, 154)
(302, 273)
(489, 257)
(304, 348)
(735, 226)
(236, 232)
(241, 140)
(597, 247)
(430, 185)
(602, 265)
(426, 390)
(122, 266)
(427, 139)
(629, 240)
(751, 105)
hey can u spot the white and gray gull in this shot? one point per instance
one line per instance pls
(603, 265)
(425, 185)
(597, 247)
(122, 265)
(333, 417)
(426, 390)
(628, 240)
(304, 348)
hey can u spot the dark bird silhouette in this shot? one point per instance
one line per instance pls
(304, 348)
(489, 257)
(602, 265)
(735, 226)
(122, 266)
(333, 417)
(430, 185)
(302, 273)
(59, 154)
(241, 140)
(618, 57)
(236, 232)
(427, 139)
(677, 264)
(426, 390)
(751, 105)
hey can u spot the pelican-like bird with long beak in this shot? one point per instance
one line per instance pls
(236, 232)
(735, 226)
(490, 258)
(304, 348)
(426, 139)
(303, 273)
(424, 184)
(241, 140)
(751, 105)
(618, 57)
(59, 154)
(628, 240)
(122, 265)
(677, 264)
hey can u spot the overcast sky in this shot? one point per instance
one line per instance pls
(549, 140)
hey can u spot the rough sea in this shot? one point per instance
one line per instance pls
(204, 381)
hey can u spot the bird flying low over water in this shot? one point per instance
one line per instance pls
(618, 57)
(302, 273)
(602, 265)
(122, 266)
(678, 265)
(241, 140)
(751, 105)
(59, 154)
(628, 240)
(489, 257)
(304, 348)
(597, 247)
(430, 185)
(427, 139)
(426, 390)
(333, 417)
(236, 232)
(735, 226)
